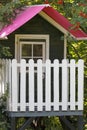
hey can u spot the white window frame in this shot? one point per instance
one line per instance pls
(34, 43)
(30, 37)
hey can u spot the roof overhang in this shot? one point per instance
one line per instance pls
(53, 22)
(49, 14)
(24, 16)
(63, 24)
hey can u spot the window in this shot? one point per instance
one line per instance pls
(28, 46)
(32, 50)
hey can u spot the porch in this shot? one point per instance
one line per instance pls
(42, 89)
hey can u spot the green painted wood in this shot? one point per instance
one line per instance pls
(80, 123)
(67, 125)
(13, 123)
(38, 25)
(26, 124)
(44, 113)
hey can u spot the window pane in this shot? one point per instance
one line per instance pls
(26, 50)
(37, 50)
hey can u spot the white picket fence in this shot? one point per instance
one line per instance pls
(4, 75)
(43, 86)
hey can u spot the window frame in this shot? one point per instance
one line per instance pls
(30, 37)
(32, 44)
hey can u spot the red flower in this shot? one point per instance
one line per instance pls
(82, 4)
(84, 15)
(46, 2)
(78, 25)
(60, 2)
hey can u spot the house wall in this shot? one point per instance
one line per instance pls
(38, 25)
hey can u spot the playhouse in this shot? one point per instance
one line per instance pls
(41, 81)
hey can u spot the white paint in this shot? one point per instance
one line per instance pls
(30, 37)
(72, 84)
(64, 84)
(68, 84)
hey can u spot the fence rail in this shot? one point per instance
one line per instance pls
(44, 86)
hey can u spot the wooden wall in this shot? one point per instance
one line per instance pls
(38, 25)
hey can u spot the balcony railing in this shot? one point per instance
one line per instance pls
(43, 86)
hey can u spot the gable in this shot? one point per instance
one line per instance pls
(63, 23)
(57, 20)
(39, 26)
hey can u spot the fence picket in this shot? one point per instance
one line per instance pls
(80, 84)
(72, 84)
(31, 85)
(9, 84)
(6, 71)
(23, 85)
(4, 75)
(64, 84)
(14, 85)
(14, 70)
(56, 85)
(39, 85)
(1, 78)
(48, 85)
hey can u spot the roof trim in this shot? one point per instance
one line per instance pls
(49, 14)
(58, 26)
(82, 38)
(23, 17)
(65, 23)
(53, 22)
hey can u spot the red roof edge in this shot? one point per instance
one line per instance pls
(31, 11)
(65, 23)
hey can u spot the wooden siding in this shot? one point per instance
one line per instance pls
(38, 25)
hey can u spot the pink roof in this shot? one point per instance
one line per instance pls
(22, 18)
(30, 12)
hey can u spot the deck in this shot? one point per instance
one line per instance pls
(43, 88)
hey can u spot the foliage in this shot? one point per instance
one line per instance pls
(78, 50)
(85, 104)
(10, 10)
(79, 13)
(76, 12)
(42, 123)
(4, 125)
(54, 123)
(4, 52)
